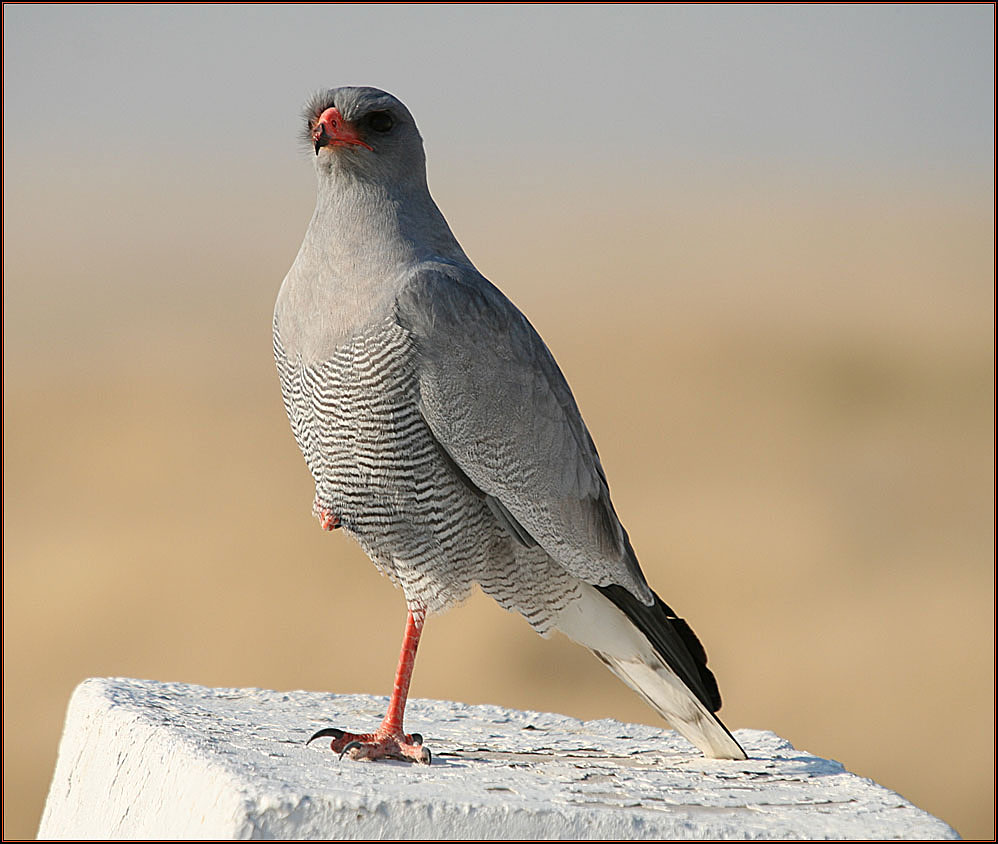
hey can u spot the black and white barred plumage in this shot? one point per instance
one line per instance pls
(378, 467)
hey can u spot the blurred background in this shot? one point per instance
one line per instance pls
(759, 240)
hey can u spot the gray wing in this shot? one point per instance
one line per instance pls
(495, 399)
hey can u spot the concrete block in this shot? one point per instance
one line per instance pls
(142, 759)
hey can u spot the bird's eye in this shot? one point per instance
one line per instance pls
(380, 121)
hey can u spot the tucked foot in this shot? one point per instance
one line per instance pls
(379, 745)
(327, 518)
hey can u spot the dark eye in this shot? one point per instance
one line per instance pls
(380, 121)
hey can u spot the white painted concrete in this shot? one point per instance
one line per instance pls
(141, 759)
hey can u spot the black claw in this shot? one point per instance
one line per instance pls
(350, 746)
(429, 756)
(416, 738)
(326, 732)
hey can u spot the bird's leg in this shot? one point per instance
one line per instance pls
(389, 742)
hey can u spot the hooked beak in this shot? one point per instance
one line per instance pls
(332, 130)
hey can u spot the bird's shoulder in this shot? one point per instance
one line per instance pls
(455, 314)
(468, 333)
(439, 295)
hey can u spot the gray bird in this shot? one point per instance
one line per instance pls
(443, 437)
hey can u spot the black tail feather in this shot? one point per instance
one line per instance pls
(674, 641)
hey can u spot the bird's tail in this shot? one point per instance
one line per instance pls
(659, 656)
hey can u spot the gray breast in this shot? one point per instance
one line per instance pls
(378, 467)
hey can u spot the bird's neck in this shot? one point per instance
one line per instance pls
(360, 248)
(371, 232)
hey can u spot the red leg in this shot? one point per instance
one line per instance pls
(407, 659)
(389, 741)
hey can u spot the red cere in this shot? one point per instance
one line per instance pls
(332, 130)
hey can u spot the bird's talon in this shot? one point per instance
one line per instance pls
(351, 746)
(416, 738)
(325, 732)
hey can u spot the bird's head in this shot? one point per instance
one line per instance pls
(364, 132)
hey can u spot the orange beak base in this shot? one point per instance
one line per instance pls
(332, 130)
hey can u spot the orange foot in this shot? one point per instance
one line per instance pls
(383, 744)
(327, 518)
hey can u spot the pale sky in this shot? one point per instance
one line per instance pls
(908, 88)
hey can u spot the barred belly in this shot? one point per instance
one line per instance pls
(378, 467)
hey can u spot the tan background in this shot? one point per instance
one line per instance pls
(789, 376)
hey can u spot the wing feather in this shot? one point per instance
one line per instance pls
(498, 404)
